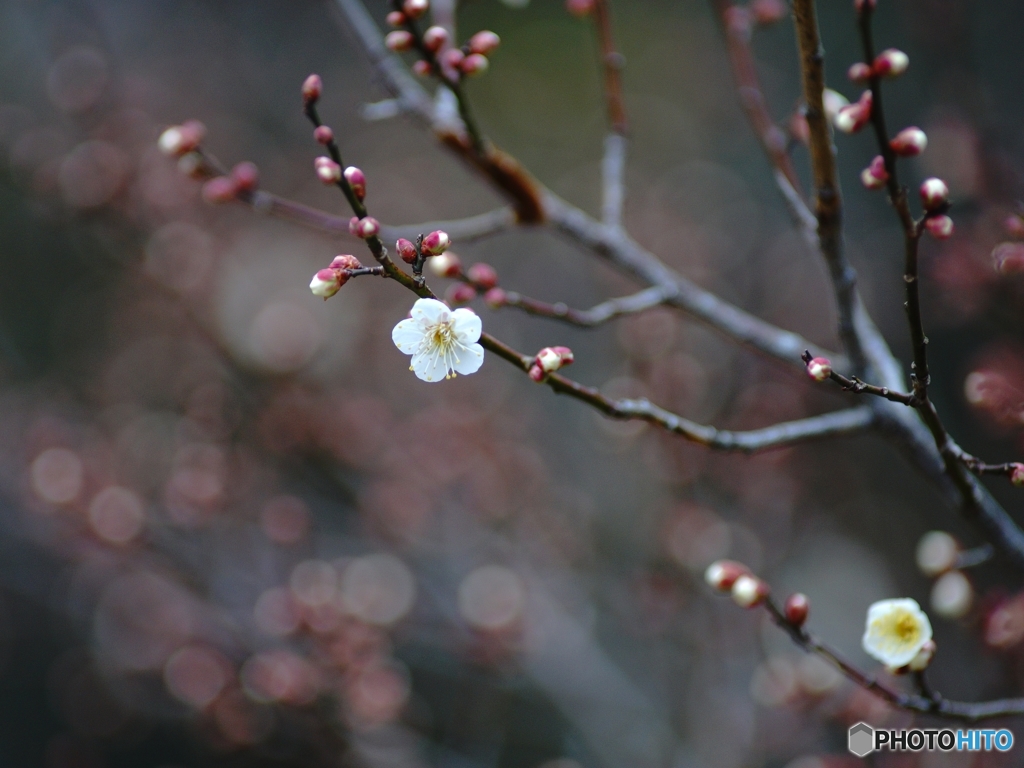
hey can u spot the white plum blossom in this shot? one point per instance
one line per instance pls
(896, 630)
(442, 341)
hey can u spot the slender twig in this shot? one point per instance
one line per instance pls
(928, 701)
(613, 168)
(596, 315)
(465, 230)
(615, 144)
(856, 386)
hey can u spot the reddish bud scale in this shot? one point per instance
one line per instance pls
(323, 134)
(939, 227)
(859, 72)
(366, 228)
(819, 368)
(495, 298)
(246, 176)
(579, 8)
(749, 591)
(875, 176)
(722, 574)
(891, 63)
(909, 142)
(453, 58)
(434, 38)
(853, 117)
(356, 181)
(219, 189)
(934, 194)
(1017, 474)
(796, 608)
(459, 293)
(345, 261)
(474, 64)
(423, 68)
(328, 171)
(399, 40)
(406, 249)
(484, 42)
(483, 276)
(536, 373)
(415, 8)
(395, 19)
(435, 243)
(312, 87)
(768, 11)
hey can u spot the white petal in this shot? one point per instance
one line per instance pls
(470, 359)
(467, 326)
(429, 311)
(407, 336)
(429, 367)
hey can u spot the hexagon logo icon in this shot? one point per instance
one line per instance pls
(861, 739)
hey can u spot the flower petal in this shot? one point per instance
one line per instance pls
(429, 311)
(429, 366)
(407, 336)
(467, 326)
(470, 359)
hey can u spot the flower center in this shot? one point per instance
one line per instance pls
(441, 335)
(906, 628)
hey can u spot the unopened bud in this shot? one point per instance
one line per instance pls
(1008, 258)
(1014, 226)
(435, 243)
(852, 118)
(1017, 474)
(312, 87)
(353, 226)
(474, 64)
(323, 134)
(246, 176)
(328, 171)
(536, 373)
(434, 38)
(399, 40)
(395, 18)
(459, 293)
(833, 101)
(550, 359)
(356, 181)
(936, 553)
(367, 227)
(939, 227)
(219, 189)
(934, 194)
(796, 608)
(875, 176)
(327, 282)
(859, 72)
(482, 275)
(423, 68)
(345, 261)
(406, 249)
(193, 165)
(495, 298)
(819, 368)
(891, 63)
(579, 8)
(179, 139)
(415, 8)
(749, 591)
(909, 142)
(722, 574)
(445, 265)
(768, 11)
(484, 42)
(453, 58)
(924, 657)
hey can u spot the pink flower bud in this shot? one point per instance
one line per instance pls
(796, 608)
(934, 194)
(328, 171)
(859, 72)
(909, 142)
(399, 40)
(484, 42)
(434, 38)
(179, 139)
(327, 282)
(1017, 474)
(474, 64)
(435, 243)
(1009, 258)
(406, 249)
(246, 176)
(579, 8)
(495, 298)
(939, 227)
(891, 63)
(749, 591)
(768, 11)
(323, 134)
(819, 368)
(482, 275)
(345, 261)
(219, 189)
(353, 226)
(445, 265)
(459, 293)
(861, 5)
(548, 360)
(357, 181)
(415, 8)
(1014, 226)
(395, 19)
(423, 68)
(875, 176)
(312, 87)
(722, 574)
(536, 373)
(367, 227)
(193, 165)
(453, 58)
(833, 101)
(852, 118)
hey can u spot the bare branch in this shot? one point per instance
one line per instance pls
(465, 230)
(613, 167)
(601, 313)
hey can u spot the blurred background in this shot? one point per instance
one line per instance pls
(235, 530)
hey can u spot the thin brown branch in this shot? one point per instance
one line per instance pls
(612, 63)
(596, 315)
(467, 230)
(858, 387)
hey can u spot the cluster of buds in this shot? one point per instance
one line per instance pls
(243, 179)
(431, 246)
(909, 142)
(435, 44)
(875, 176)
(735, 578)
(328, 282)
(935, 200)
(549, 360)
(889, 63)
(819, 368)
(852, 117)
(363, 228)
(328, 171)
(179, 140)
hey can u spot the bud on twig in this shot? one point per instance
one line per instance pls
(328, 171)
(406, 249)
(483, 276)
(219, 189)
(875, 176)
(422, 68)
(453, 58)
(934, 194)
(345, 261)
(722, 574)
(1017, 474)
(399, 40)
(434, 38)
(459, 293)
(365, 228)
(395, 18)
(909, 142)
(495, 298)
(180, 139)
(939, 227)
(819, 368)
(859, 72)
(852, 118)
(749, 591)
(891, 63)
(327, 282)
(311, 90)
(323, 134)
(445, 265)
(796, 608)
(435, 243)
(551, 359)
(415, 8)
(474, 64)
(356, 181)
(484, 42)
(246, 176)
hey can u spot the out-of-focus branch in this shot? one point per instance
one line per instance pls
(596, 315)
(613, 165)
(613, 169)
(465, 230)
